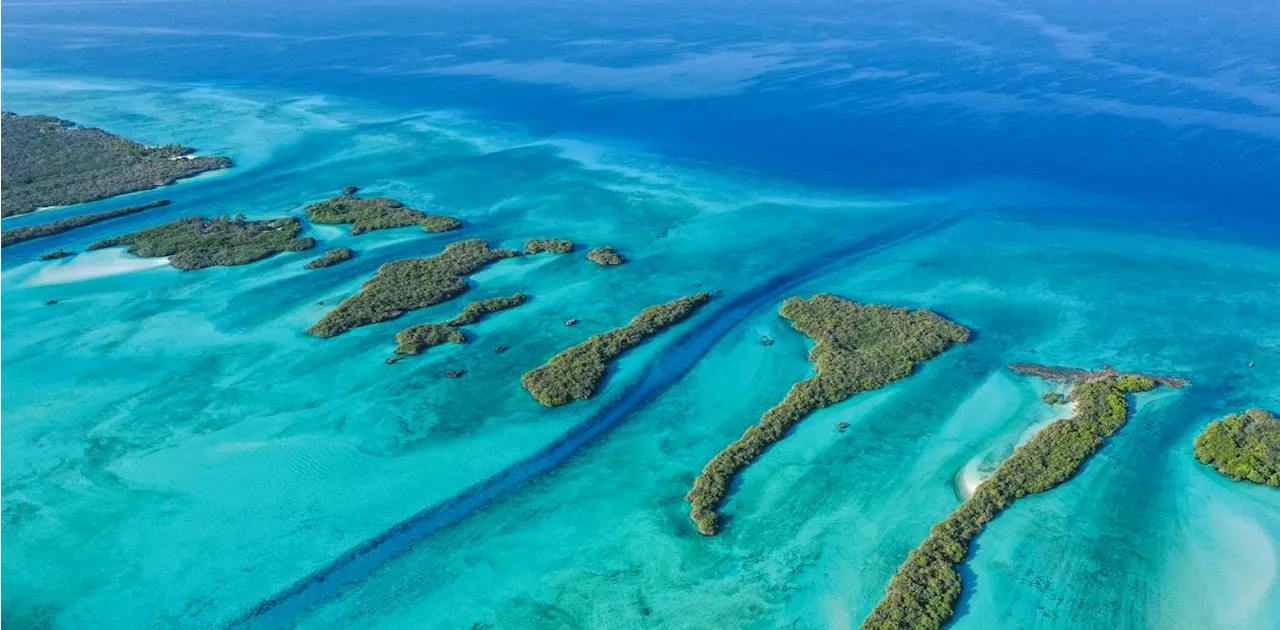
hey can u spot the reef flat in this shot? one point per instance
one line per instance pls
(1244, 447)
(574, 374)
(196, 242)
(29, 232)
(376, 213)
(48, 161)
(924, 593)
(331, 258)
(415, 339)
(859, 347)
(405, 285)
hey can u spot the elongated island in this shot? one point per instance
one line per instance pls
(376, 213)
(415, 339)
(48, 161)
(198, 242)
(574, 374)
(923, 595)
(405, 285)
(859, 347)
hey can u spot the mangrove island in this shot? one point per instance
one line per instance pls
(574, 374)
(56, 254)
(405, 285)
(196, 242)
(1244, 447)
(549, 245)
(29, 232)
(859, 347)
(376, 213)
(415, 339)
(606, 255)
(924, 593)
(48, 162)
(331, 258)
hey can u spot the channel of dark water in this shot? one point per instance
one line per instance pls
(284, 609)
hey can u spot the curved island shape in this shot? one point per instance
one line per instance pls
(1244, 447)
(924, 593)
(48, 161)
(859, 347)
(415, 339)
(405, 285)
(196, 242)
(375, 213)
(575, 373)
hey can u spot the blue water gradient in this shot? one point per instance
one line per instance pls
(1076, 185)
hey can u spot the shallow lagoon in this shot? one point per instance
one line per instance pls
(177, 451)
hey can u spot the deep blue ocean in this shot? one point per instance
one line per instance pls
(1080, 183)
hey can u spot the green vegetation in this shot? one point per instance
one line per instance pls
(605, 256)
(51, 162)
(551, 245)
(1054, 398)
(859, 347)
(350, 190)
(575, 373)
(197, 242)
(377, 213)
(29, 232)
(332, 257)
(56, 254)
(405, 285)
(415, 339)
(1135, 384)
(924, 593)
(1243, 447)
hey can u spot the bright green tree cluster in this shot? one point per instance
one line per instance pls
(405, 285)
(197, 242)
(1244, 447)
(859, 347)
(51, 162)
(575, 373)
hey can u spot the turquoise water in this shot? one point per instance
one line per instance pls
(177, 452)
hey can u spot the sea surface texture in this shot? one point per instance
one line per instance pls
(1080, 184)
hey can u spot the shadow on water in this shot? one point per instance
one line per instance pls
(287, 607)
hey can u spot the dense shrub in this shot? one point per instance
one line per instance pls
(28, 232)
(859, 347)
(551, 245)
(924, 593)
(377, 213)
(406, 285)
(56, 254)
(415, 339)
(1243, 447)
(331, 258)
(605, 256)
(1054, 398)
(575, 373)
(197, 242)
(50, 162)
